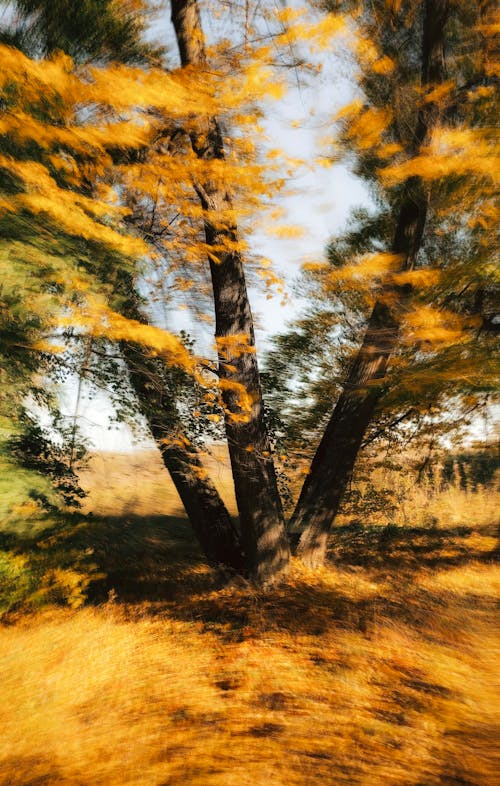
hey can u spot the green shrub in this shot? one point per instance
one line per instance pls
(50, 567)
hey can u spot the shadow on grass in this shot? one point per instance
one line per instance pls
(155, 561)
(66, 561)
(142, 558)
(410, 548)
(32, 771)
(152, 566)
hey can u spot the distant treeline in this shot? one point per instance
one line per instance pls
(474, 467)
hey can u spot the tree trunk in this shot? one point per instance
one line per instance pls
(206, 510)
(261, 516)
(333, 463)
(207, 513)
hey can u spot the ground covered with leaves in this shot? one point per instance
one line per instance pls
(377, 670)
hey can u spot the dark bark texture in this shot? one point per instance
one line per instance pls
(334, 461)
(261, 516)
(206, 511)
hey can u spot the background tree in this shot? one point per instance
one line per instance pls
(95, 30)
(408, 116)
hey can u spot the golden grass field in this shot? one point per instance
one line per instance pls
(379, 670)
(137, 483)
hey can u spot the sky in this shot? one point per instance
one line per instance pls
(318, 200)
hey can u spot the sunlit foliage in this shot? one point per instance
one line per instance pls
(445, 362)
(376, 669)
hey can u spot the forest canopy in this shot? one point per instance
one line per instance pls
(133, 172)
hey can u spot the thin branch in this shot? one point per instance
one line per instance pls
(380, 432)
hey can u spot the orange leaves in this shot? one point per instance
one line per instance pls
(90, 116)
(177, 440)
(63, 139)
(389, 150)
(82, 139)
(188, 93)
(287, 231)
(101, 321)
(383, 66)
(451, 152)
(369, 274)
(270, 278)
(486, 215)
(365, 127)
(422, 278)
(241, 400)
(319, 33)
(177, 94)
(237, 401)
(42, 345)
(38, 77)
(257, 81)
(440, 92)
(70, 210)
(434, 326)
(316, 267)
(6, 206)
(370, 58)
(91, 113)
(232, 347)
(367, 268)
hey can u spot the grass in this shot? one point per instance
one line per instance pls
(379, 670)
(137, 483)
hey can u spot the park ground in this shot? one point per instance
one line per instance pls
(378, 670)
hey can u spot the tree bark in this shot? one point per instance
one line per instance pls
(261, 515)
(334, 461)
(206, 511)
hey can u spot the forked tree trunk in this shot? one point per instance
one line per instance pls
(333, 463)
(261, 516)
(206, 511)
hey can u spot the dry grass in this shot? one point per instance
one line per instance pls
(432, 502)
(137, 483)
(377, 671)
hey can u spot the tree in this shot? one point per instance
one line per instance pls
(121, 168)
(261, 515)
(379, 134)
(207, 513)
(105, 32)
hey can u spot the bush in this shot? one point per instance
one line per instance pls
(49, 568)
(54, 454)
